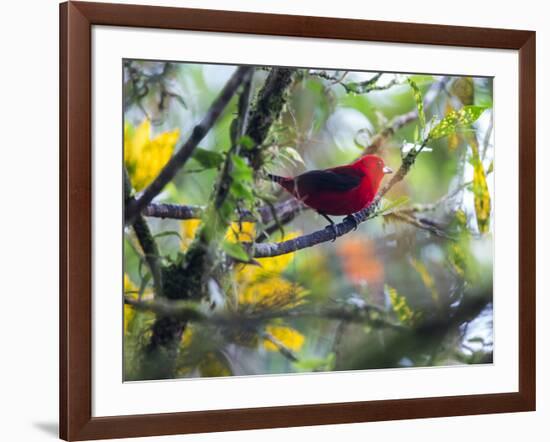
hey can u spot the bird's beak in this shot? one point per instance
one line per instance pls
(387, 169)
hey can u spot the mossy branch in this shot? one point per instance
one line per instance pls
(191, 312)
(266, 109)
(146, 241)
(469, 308)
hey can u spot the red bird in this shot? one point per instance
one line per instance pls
(341, 190)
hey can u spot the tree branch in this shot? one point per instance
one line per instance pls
(416, 208)
(189, 311)
(173, 211)
(469, 308)
(422, 223)
(184, 153)
(266, 110)
(183, 212)
(363, 87)
(332, 232)
(146, 241)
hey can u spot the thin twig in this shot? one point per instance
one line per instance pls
(422, 224)
(416, 208)
(402, 120)
(362, 87)
(283, 349)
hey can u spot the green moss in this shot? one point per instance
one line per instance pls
(267, 108)
(160, 355)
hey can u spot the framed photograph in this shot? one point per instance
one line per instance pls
(272, 220)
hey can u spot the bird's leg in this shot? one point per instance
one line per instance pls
(332, 225)
(351, 217)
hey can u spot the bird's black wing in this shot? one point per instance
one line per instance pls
(328, 180)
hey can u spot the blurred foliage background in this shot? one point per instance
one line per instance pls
(409, 288)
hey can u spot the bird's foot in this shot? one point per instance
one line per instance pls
(334, 229)
(331, 226)
(352, 218)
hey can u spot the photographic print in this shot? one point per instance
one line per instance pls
(284, 220)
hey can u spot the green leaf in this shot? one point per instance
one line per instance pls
(463, 89)
(214, 364)
(242, 190)
(207, 158)
(352, 87)
(143, 285)
(426, 278)
(460, 219)
(477, 339)
(241, 170)
(419, 102)
(168, 233)
(315, 364)
(416, 136)
(390, 205)
(247, 142)
(235, 250)
(293, 154)
(456, 119)
(242, 179)
(400, 306)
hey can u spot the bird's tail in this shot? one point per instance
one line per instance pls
(276, 178)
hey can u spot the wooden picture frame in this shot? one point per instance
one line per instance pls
(76, 21)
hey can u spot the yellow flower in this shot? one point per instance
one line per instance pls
(259, 287)
(400, 306)
(187, 336)
(130, 290)
(426, 278)
(271, 293)
(290, 338)
(236, 232)
(241, 232)
(129, 311)
(267, 267)
(188, 230)
(145, 157)
(262, 287)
